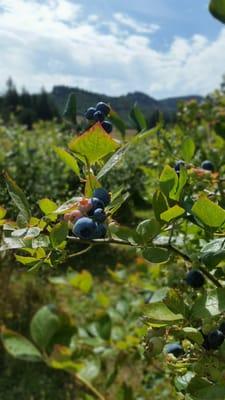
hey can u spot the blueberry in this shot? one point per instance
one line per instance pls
(107, 126)
(102, 195)
(175, 349)
(101, 231)
(178, 164)
(95, 203)
(85, 228)
(103, 107)
(207, 165)
(90, 113)
(98, 116)
(215, 339)
(99, 215)
(222, 327)
(195, 278)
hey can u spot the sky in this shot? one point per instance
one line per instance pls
(164, 48)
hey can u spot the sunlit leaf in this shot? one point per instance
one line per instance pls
(94, 144)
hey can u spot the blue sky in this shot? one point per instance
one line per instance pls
(164, 48)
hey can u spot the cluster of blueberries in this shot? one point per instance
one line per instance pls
(212, 341)
(98, 114)
(207, 165)
(89, 218)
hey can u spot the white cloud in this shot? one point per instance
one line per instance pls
(134, 25)
(56, 43)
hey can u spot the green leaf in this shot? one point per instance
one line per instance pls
(217, 9)
(182, 382)
(90, 370)
(26, 260)
(2, 212)
(44, 326)
(208, 213)
(201, 388)
(82, 281)
(168, 182)
(118, 122)
(10, 243)
(188, 149)
(40, 241)
(68, 159)
(182, 180)
(172, 213)
(70, 112)
(47, 206)
(59, 233)
(104, 327)
(148, 229)
(94, 144)
(117, 200)
(209, 304)
(160, 313)
(156, 255)
(138, 118)
(18, 197)
(124, 233)
(91, 184)
(113, 161)
(19, 347)
(138, 139)
(159, 203)
(213, 253)
(192, 334)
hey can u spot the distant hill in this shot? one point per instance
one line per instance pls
(121, 104)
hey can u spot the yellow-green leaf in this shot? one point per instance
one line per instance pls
(47, 206)
(68, 159)
(2, 212)
(172, 213)
(94, 144)
(208, 213)
(92, 183)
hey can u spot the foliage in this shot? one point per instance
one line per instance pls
(97, 334)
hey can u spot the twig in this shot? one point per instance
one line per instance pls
(168, 245)
(79, 253)
(89, 386)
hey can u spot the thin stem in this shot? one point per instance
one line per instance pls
(210, 277)
(89, 386)
(167, 245)
(79, 253)
(104, 241)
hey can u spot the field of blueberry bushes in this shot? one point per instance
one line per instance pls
(112, 271)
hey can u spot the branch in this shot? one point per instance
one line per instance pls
(168, 245)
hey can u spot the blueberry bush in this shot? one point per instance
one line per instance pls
(164, 315)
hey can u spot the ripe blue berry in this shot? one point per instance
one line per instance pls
(101, 231)
(85, 228)
(178, 164)
(215, 339)
(207, 165)
(96, 203)
(99, 215)
(107, 126)
(195, 278)
(175, 349)
(103, 107)
(102, 195)
(98, 116)
(90, 113)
